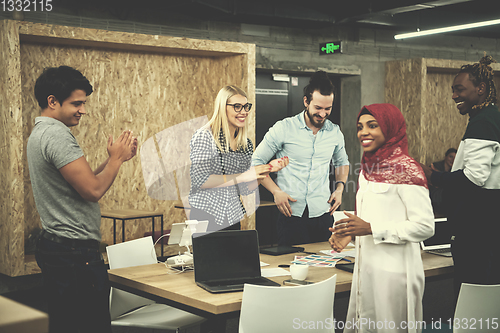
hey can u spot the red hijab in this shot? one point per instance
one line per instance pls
(391, 163)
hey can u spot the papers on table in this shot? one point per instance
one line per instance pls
(270, 272)
(349, 253)
(316, 260)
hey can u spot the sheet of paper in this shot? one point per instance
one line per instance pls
(349, 253)
(316, 260)
(262, 264)
(270, 272)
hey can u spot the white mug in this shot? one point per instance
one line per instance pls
(299, 272)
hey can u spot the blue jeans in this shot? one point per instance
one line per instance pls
(77, 288)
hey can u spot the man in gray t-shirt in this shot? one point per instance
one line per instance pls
(66, 193)
(62, 209)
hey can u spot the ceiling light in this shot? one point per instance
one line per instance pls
(447, 29)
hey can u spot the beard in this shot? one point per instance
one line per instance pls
(314, 119)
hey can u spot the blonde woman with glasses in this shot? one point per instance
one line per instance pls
(221, 171)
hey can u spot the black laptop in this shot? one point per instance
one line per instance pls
(440, 242)
(225, 260)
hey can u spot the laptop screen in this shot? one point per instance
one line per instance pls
(231, 254)
(442, 236)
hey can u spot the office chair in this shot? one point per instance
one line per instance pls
(127, 309)
(288, 309)
(477, 306)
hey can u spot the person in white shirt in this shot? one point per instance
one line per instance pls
(393, 214)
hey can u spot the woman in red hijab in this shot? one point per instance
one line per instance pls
(393, 214)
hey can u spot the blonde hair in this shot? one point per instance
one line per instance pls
(219, 120)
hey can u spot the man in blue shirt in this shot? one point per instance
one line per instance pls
(310, 141)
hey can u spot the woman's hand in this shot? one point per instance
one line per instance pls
(257, 172)
(278, 164)
(352, 226)
(337, 242)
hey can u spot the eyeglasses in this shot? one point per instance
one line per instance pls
(238, 107)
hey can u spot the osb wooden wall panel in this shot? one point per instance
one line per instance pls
(143, 83)
(142, 92)
(56, 34)
(403, 86)
(422, 90)
(442, 125)
(11, 181)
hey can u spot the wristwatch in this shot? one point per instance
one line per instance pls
(339, 181)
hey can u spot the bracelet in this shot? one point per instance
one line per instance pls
(339, 181)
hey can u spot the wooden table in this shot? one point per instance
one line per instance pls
(16, 317)
(131, 214)
(181, 291)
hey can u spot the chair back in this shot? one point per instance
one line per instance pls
(477, 306)
(288, 309)
(132, 253)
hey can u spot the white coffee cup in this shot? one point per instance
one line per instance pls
(299, 272)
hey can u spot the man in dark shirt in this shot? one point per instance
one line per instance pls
(473, 185)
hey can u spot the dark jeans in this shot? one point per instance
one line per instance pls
(76, 285)
(302, 230)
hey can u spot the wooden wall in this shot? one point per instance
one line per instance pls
(141, 82)
(421, 89)
(11, 143)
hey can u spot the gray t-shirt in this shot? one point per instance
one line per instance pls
(62, 210)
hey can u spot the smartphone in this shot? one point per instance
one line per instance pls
(293, 282)
(346, 267)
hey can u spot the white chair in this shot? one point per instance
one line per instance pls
(127, 309)
(288, 309)
(477, 306)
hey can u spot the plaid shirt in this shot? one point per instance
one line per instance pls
(207, 160)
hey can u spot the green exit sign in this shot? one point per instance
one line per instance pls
(330, 48)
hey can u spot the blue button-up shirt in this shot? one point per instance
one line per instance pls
(306, 177)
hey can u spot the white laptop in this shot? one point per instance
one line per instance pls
(440, 243)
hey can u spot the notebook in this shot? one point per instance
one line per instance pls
(225, 260)
(440, 243)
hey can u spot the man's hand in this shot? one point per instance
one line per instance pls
(278, 164)
(123, 146)
(338, 243)
(281, 199)
(335, 201)
(352, 226)
(133, 150)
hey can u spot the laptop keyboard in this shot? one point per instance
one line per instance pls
(441, 250)
(239, 282)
